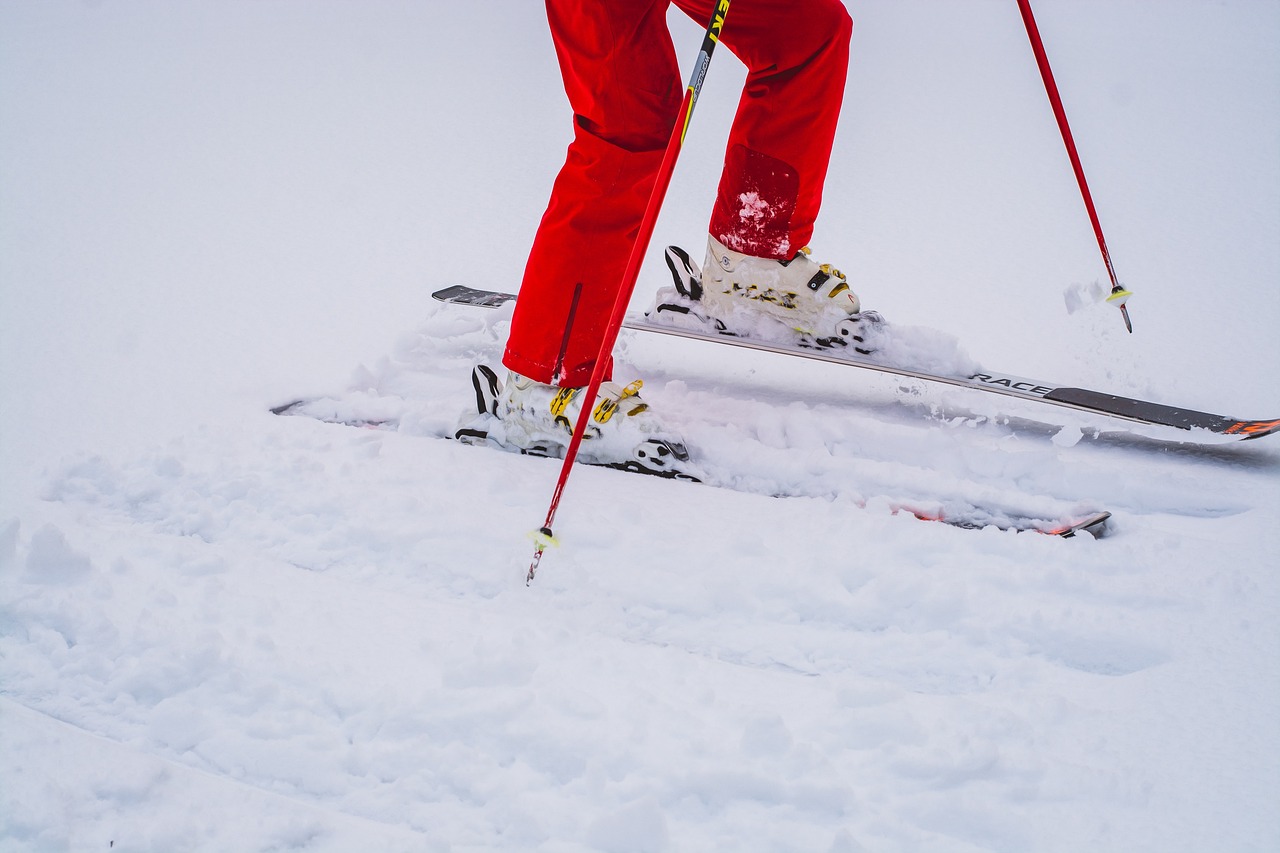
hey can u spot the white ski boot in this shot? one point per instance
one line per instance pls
(797, 302)
(538, 419)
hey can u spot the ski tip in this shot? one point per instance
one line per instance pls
(1253, 429)
(1095, 524)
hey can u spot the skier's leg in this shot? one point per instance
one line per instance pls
(797, 56)
(622, 79)
(757, 266)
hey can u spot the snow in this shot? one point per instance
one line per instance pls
(222, 629)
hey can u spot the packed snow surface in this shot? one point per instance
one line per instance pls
(225, 630)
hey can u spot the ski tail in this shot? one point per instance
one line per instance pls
(685, 274)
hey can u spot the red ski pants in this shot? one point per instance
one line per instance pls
(623, 82)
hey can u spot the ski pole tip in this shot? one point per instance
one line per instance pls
(1119, 296)
(544, 538)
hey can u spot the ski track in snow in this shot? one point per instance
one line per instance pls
(277, 615)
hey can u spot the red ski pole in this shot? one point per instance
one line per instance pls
(543, 536)
(1119, 295)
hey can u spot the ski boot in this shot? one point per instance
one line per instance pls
(537, 419)
(796, 302)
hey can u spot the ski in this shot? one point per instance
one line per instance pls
(966, 516)
(1081, 399)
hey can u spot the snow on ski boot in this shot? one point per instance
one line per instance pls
(538, 419)
(796, 302)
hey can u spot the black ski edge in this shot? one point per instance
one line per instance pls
(297, 408)
(289, 408)
(1081, 399)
